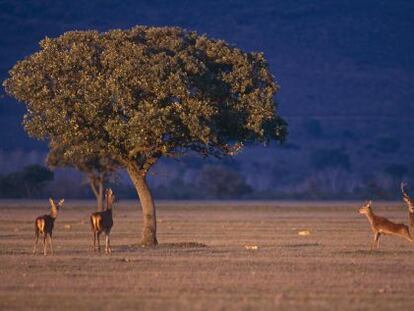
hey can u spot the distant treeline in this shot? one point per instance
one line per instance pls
(211, 182)
(27, 183)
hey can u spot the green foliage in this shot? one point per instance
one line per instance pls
(135, 95)
(27, 183)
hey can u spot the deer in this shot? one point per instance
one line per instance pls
(102, 222)
(44, 226)
(410, 205)
(381, 225)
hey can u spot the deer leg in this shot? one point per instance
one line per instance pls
(106, 243)
(50, 242)
(94, 241)
(377, 239)
(374, 241)
(36, 241)
(44, 244)
(407, 235)
(107, 246)
(99, 241)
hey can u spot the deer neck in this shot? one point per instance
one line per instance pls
(108, 204)
(53, 213)
(370, 215)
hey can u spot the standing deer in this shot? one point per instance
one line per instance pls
(381, 225)
(44, 225)
(410, 205)
(102, 222)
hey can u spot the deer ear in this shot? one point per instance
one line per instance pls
(369, 202)
(61, 202)
(51, 202)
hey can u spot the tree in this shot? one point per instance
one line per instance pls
(222, 183)
(98, 167)
(145, 93)
(27, 183)
(332, 167)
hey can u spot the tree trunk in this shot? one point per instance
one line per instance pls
(149, 232)
(97, 192)
(100, 196)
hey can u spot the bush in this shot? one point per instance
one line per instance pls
(218, 182)
(27, 183)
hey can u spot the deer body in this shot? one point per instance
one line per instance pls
(44, 226)
(381, 225)
(103, 222)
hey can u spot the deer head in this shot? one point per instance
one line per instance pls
(366, 208)
(54, 207)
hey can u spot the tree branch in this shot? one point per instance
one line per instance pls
(93, 186)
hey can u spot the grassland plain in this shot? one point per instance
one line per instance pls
(329, 269)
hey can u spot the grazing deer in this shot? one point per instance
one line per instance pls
(44, 225)
(102, 222)
(410, 204)
(381, 225)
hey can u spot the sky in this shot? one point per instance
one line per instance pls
(345, 68)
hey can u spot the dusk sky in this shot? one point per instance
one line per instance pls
(345, 68)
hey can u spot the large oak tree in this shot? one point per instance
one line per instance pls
(144, 93)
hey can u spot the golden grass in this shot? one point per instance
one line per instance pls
(203, 263)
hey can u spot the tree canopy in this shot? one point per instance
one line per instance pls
(144, 93)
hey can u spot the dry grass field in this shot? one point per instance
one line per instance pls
(329, 269)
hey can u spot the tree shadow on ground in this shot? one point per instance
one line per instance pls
(162, 246)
